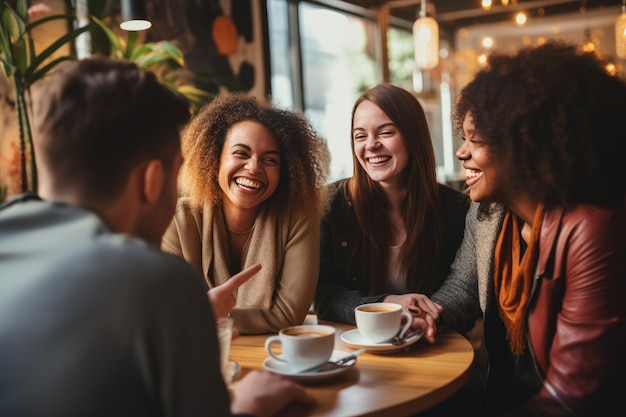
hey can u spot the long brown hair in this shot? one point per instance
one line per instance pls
(420, 202)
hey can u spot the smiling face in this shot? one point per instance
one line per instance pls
(484, 176)
(249, 165)
(378, 144)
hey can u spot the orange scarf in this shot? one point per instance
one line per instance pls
(513, 275)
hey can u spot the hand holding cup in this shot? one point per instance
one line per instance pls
(381, 322)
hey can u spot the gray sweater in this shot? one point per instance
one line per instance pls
(467, 287)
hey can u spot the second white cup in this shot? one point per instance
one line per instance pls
(381, 322)
(304, 346)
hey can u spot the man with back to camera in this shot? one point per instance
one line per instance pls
(94, 319)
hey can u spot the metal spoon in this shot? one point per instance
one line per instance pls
(400, 340)
(338, 362)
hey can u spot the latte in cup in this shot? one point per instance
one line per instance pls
(375, 309)
(381, 322)
(303, 331)
(303, 347)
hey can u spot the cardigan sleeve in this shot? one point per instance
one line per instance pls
(183, 236)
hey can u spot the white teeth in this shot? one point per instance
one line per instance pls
(378, 159)
(248, 183)
(470, 173)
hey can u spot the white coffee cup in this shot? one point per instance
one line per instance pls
(303, 346)
(224, 336)
(381, 322)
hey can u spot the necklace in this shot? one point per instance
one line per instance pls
(238, 251)
(237, 232)
(239, 235)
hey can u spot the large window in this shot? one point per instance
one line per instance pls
(337, 63)
(324, 57)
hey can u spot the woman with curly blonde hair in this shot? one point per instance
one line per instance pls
(251, 193)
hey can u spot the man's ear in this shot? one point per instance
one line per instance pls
(153, 181)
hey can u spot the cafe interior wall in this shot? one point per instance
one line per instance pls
(222, 39)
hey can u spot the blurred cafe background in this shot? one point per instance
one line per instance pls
(315, 56)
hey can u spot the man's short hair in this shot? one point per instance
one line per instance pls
(97, 118)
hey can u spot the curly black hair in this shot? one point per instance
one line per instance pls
(556, 112)
(305, 157)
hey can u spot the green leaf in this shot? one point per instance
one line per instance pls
(43, 20)
(140, 50)
(153, 58)
(117, 50)
(41, 72)
(195, 92)
(53, 48)
(20, 55)
(15, 21)
(8, 26)
(5, 35)
(131, 41)
(22, 8)
(7, 67)
(174, 52)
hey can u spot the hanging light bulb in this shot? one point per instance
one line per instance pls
(426, 40)
(620, 33)
(134, 17)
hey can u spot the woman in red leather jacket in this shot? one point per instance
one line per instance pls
(544, 135)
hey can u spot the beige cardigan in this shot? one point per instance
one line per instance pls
(287, 247)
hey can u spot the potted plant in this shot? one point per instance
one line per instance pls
(24, 66)
(163, 58)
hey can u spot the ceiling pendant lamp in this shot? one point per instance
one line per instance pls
(134, 17)
(620, 33)
(426, 40)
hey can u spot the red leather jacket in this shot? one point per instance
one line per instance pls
(577, 317)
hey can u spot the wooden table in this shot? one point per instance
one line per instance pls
(395, 384)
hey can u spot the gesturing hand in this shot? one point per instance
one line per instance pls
(221, 297)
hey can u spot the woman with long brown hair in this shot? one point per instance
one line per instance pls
(392, 230)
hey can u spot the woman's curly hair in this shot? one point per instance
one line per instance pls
(558, 116)
(305, 157)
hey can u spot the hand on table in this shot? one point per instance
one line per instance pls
(263, 394)
(425, 312)
(221, 297)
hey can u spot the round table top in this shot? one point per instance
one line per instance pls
(380, 384)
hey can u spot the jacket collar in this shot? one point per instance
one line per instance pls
(552, 221)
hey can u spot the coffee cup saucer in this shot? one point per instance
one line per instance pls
(353, 338)
(284, 369)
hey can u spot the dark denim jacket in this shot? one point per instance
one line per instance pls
(342, 286)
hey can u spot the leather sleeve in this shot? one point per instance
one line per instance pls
(578, 323)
